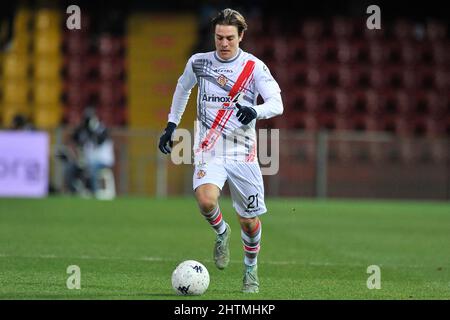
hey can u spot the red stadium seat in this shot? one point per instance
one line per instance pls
(441, 79)
(409, 53)
(440, 53)
(77, 94)
(378, 52)
(342, 28)
(315, 51)
(304, 121)
(306, 99)
(73, 115)
(109, 45)
(403, 30)
(436, 30)
(110, 69)
(312, 29)
(346, 77)
(345, 102)
(404, 103)
(374, 103)
(76, 44)
(297, 47)
(408, 77)
(346, 52)
(110, 94)
(77, 68)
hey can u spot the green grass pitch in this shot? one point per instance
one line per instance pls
(127, 249)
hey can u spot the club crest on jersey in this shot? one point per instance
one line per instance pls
(222, 80)
(201, 173)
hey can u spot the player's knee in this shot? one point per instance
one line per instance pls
(206, 202)
(248, 224)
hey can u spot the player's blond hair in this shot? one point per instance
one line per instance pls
(230, 17)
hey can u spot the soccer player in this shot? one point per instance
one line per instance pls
(229, 81)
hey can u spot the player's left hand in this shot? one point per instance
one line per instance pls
(245, 114)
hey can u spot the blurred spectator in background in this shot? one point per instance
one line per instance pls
(20, 122)
(94, 151)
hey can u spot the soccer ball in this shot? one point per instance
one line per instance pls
(190, 278)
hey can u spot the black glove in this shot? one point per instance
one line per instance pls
(167, 138)
(245, 114)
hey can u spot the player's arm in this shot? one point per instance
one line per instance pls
(271, 94)
(179, 101)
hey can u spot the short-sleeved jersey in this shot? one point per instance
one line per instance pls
(219, 135)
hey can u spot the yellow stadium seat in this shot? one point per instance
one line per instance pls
(20, 43)
(47, 68)
(47, 43)
(15, 66)
(22, 20)
(15, 92)
(47, 19)
(47, 92)
(47, 116)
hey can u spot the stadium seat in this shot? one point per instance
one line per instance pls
(436, 104)
(378, 53)
(426, 77)
(434, 128)
(393, 74)
(47, 92)
(77, 68)
(377, 78)
(77, 95)
(436, 30)
(47, 116)
(374, 103)
(47, 43)
(73, 115)
(342, 28)
(109, 45)
(409, 53)
(297, 47)
(441, 79)
(110, 69)
(345, 103)
(393, 51)
(403, 30)
(404, 103)
(16, 92)
(347, 52)
(110, 94)
(20, 43)
(76, 44)
(22, 21)
(312, 29)
(303, 121)
(408, 77)
(440, 53)
(47, 19)
(362, 76)
(15, 66)
(346, 77)
(47, 68)
(315, 51)
(306, 99)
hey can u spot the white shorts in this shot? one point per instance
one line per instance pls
(244, 180)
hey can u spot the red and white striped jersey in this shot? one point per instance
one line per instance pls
(219, 136)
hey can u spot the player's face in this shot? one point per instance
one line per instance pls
(227, 41)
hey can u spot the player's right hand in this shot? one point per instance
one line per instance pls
(165, 141)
